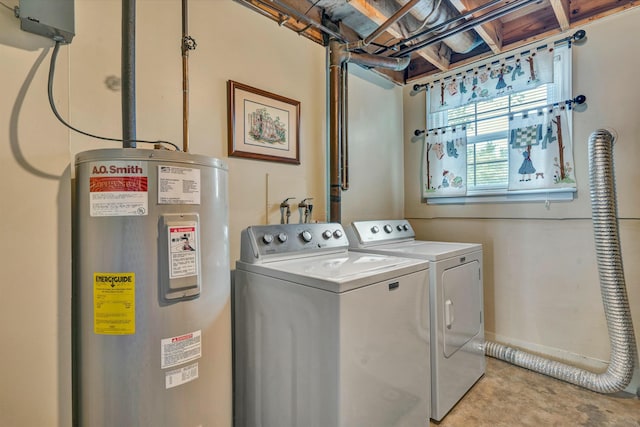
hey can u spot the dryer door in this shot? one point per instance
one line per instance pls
(462, 305)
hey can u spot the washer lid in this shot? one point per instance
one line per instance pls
(432, 251)
(338, 272)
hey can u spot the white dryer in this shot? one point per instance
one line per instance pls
(456, 295)
(328, 337)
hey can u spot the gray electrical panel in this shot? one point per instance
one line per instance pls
(49, 18)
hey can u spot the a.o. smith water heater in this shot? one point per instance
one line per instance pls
(151, 280)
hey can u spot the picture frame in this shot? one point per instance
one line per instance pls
(262, 125)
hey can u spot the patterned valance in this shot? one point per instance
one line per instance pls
(515, 74)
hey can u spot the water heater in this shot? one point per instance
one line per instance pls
(151, 280)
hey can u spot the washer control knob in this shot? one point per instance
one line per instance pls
(388, 228)
(327, 234)
(267, 238)
(405, 227)
(282, 237)
(375, 229)
(337, 234)
(399, 227)
(306, 236)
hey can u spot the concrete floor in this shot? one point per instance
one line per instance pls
(511, 396)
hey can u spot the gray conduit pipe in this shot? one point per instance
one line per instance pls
(612, 285)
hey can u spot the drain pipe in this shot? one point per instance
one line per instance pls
(336, 61)
(128, 70)
(612, 286)
(339, 56)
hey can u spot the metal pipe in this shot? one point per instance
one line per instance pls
(489, 16)
(336, 58)
(185, 77)
(128, 71)
(389, 22)
(369, 60)
(612, 287)
(344, 119)
(442, 25)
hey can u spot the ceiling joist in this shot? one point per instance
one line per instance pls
(561, 9)
(490, 32)
(379, 15)
(355, 20)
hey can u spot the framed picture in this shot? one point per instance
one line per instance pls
(263, 125)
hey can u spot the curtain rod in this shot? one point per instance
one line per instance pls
(576, 37)
(580, 99)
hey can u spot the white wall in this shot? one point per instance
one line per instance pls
(36, 155)
(541, 282)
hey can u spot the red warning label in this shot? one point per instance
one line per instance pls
(119, 188)
(118, 183)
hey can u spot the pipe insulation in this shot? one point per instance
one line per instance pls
(434, 12)
(612, 285)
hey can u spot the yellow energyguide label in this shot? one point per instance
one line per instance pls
(114, 303)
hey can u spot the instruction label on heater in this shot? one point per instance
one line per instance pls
(181, 349)
(183, 251)
(114, 303)
(181, 376)
(118, 188)
(178, 185)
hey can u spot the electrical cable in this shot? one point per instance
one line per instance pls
(52, 68)
(426, 18)
(312, 6)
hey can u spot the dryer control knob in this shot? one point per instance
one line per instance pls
(388, 228)
(405, 227)
(282, 237)
(267, 238)
(337, 234)
(399, 227)
(327, 234)
(375, 229)
(306, 236)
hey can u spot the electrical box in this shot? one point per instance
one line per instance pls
(50, 18)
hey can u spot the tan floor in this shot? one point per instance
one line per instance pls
(511, 396)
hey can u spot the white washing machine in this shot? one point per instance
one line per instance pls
(456, 295)
(328, 337)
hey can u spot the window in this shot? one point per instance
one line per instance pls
(486, 125)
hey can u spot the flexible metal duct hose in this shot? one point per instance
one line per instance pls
(614, 294)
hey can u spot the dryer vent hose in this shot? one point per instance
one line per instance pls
(614, 294)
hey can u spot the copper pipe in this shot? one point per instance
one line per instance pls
(185, 78)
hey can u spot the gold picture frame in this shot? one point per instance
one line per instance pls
(262, 125)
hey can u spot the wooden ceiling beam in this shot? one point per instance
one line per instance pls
(433, 54)
(490, 32)
(561, 9)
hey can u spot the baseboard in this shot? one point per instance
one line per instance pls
(581, 361)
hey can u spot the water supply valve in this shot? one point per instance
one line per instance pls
(304, 209)
(285, 210)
